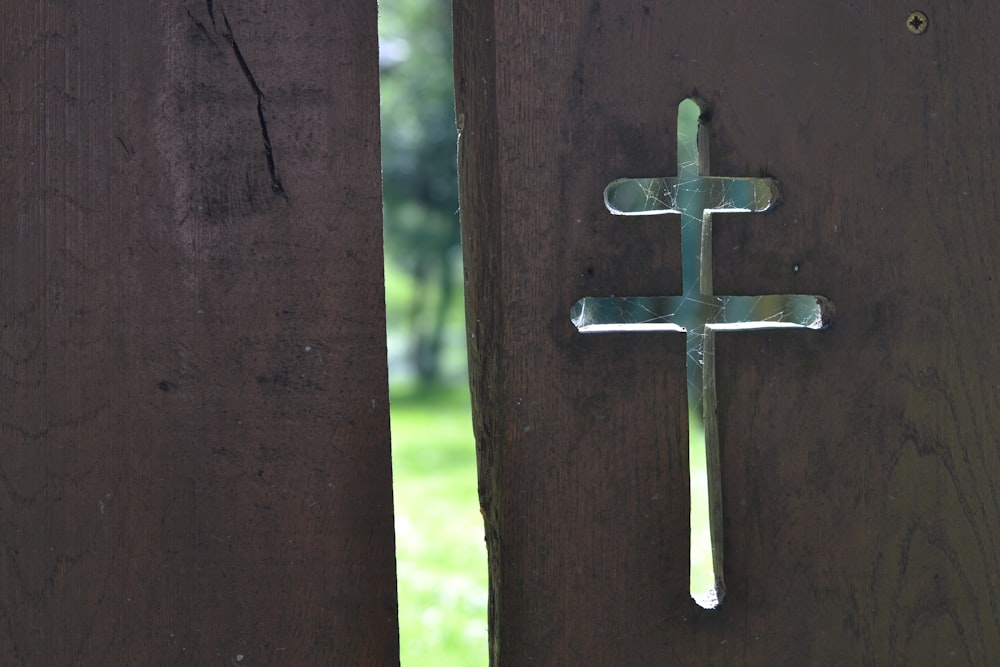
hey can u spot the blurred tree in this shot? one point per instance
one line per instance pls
(419, 167)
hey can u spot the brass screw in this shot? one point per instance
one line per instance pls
(916, 23)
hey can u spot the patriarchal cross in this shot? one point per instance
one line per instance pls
(698, 312)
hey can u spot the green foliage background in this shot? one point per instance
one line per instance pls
(419, 176)
(441, 556)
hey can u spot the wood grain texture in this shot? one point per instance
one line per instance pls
(194, 417)
(477, 120)
(862, 515)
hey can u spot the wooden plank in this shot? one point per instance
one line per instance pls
(194, 421)
(861, 519)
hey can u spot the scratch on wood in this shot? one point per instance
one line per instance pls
(276, 185)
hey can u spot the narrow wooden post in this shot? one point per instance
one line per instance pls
(860, 520)
(194, 444)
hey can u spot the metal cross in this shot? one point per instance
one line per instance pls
(698, 312)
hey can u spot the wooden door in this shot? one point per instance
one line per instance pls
(860, 512)
(194, 444)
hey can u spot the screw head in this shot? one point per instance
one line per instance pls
(917, 22)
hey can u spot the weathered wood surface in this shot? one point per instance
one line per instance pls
(862, 515)
(194, 445)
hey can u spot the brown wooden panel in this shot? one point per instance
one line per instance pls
(194, 417)
(862, 519)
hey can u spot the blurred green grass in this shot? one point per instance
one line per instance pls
(702, 578)
(440, 552)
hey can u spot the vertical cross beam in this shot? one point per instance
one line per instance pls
(698, 312)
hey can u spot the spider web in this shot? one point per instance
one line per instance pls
(698, 313)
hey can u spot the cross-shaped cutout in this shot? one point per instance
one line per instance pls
(698, 312)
